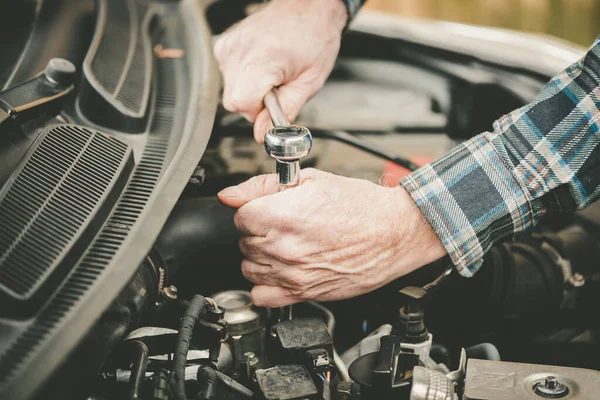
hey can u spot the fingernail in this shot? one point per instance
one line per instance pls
(231, 191)
(247, 117)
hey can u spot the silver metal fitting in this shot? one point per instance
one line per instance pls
(286, 143)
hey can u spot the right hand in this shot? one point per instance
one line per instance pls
(329, 238)
(292, 44)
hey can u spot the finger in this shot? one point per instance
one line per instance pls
(261, 125)
(253, 248)
(245, 87)
(293, 96)
(272, 296)
(255, 187)
(260, 274)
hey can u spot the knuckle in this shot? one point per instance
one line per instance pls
(220, 49)
(235, 101)
(299, 281)
(288, 255)
(301, 294)
(247, 271)
(243, 245)
(239, 220)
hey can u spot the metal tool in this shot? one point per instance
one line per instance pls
(287, 144)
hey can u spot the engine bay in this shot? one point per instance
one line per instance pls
(120, 269)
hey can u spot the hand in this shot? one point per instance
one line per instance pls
(329, 238)
(292, 43)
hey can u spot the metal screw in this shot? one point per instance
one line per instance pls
(551, 382)
(577, 280)
(170, 293)
(550, 388)
(252, 359)
(249, 364)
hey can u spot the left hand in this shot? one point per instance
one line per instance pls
(329, 238)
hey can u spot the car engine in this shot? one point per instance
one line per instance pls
(120, 270)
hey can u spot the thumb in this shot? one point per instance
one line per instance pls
(272, 296)
(253, 188)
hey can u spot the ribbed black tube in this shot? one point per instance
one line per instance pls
(186, 329)
(207, 378)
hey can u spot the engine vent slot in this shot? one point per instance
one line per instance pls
(52, 207)
(117, 71)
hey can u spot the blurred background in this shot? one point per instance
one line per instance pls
(574, 20)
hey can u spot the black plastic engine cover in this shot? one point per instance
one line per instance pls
(297, 336)
(286, 382)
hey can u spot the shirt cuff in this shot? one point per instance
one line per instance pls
(472, 200)
(353, 6)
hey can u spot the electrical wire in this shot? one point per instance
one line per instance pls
(340, 365)
(364, 145)
(326, 389)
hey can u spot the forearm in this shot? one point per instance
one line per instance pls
(541, 158)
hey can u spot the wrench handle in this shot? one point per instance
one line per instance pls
(273, 105)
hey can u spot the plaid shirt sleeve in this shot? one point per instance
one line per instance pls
(353, 6)
(541, 158)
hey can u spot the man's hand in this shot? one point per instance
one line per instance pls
(290, 43)
(329, 238)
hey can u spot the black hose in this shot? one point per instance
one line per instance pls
(234, 386)
(186, 329)
(139, 356)
(207, 378)
(347, 138)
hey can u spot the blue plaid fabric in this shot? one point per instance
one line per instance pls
(541, 158)
(353, 6)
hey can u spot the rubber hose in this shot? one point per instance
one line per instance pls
(207, 378)
(139, 355)
(234, 386)
(483, 351)
(186, 329)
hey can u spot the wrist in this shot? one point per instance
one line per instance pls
(417, 244)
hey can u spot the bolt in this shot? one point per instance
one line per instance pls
(249, 364)
(252, 359)
(551, 382)
(170, 293)
(550, 388)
